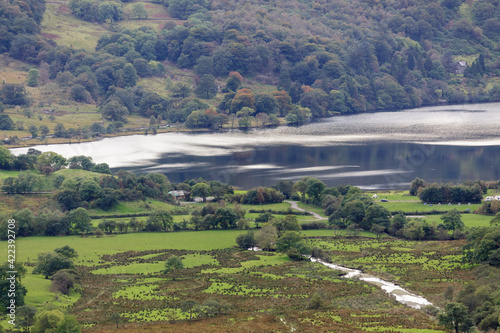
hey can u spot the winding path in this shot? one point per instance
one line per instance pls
(296, 207)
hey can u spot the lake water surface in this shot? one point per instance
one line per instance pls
(381, 150)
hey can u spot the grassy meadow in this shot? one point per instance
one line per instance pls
(123, 274)
(260, 291)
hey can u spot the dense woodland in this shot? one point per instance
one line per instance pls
(322, 58)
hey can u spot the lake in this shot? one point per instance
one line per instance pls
(383, 150)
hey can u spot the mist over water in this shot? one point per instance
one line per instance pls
(376, 150)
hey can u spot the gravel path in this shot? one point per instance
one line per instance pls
(296, 207)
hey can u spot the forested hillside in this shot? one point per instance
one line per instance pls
(254, 63)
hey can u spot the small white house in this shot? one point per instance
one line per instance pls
(374, 196)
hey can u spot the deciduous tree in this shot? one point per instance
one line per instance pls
(173, 265)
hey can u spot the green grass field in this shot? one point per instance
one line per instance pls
(393, 196)
(90, 249)
(415, 207)
(470, 220)
(5, 174)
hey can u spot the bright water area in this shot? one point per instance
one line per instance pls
(383, 150)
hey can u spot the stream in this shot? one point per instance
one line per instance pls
(402, 296)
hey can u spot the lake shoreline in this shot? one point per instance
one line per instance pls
(182, 129)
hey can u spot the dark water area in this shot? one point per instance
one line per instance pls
(370, 166)
(384, 150)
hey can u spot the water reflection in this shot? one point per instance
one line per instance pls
(380, 150)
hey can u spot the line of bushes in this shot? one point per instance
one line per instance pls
(278, 212)
(432, 212)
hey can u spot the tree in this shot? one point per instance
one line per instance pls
(152, 122)
(453, 220)
(201, 190)
(52, 160)
(288, 223)
(79, 93)
(314, 189)
(142, 67)
(6, 123)
(114, 111)
(246, 241)
(107, 225)
(80, 220)
(455, 317)
(63, 281)
(376, 214)
(34, 131)
(60, 131)
(139, 11)
(25, 221)
(32, 78)
(266, 104)
(21, 291)
(226, 217)
(244, 98)
(495, 222)
(315, 301)
(284, 102)
(69, 199)
(51, 262)
(172, 265)
(67, 252)
(189, 306)
(266, 237)
(415, 185)
(181, 89)
(160, 220)
(14, 94)
(89, 190)
(48, 321)
(6, 157)
(292, 243)
(26, 316)
(206, 87)
(69, 324)
(262, 118)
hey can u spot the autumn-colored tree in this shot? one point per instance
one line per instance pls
(244, 98)
(284, 102)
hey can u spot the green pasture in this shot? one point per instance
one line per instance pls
(393, 196)
(470, 220)
(75, 120)
(275, 206)
(67, 30)
(91, 248)
(76, 173)
(133, 207)
(240, 191)
(415, 207)
(5, 174)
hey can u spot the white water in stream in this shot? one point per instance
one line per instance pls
(403, 296)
